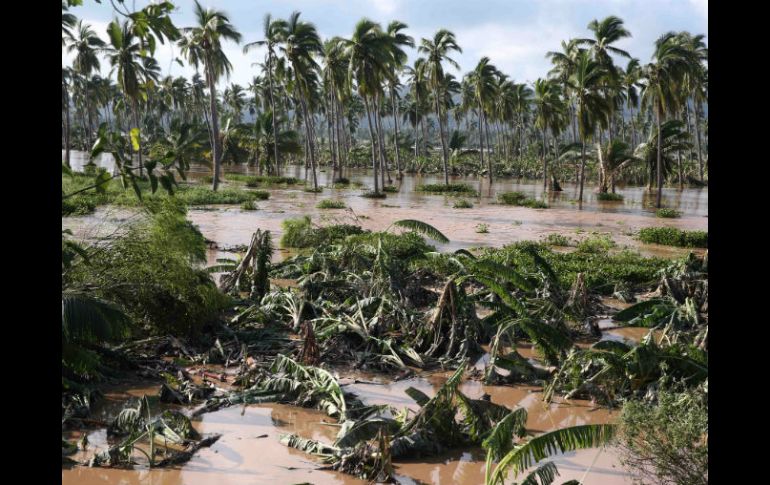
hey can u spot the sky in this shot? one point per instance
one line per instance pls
(514, 34)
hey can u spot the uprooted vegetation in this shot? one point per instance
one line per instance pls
(670, 236)
(520, 199)
(389, 302)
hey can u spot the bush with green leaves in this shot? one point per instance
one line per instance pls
(597, 243)
(154, 273)
(331, 204)
(462, 204)
(520, 199)
(557, 240)
(609, 197)
(447, 189)
(249, 205)
(301, 233)
(670, 236)
(668, 213)
(390, 189)
(482, 228)
(667, 441)
(373, 195)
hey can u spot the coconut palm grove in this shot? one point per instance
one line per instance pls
(383, 259)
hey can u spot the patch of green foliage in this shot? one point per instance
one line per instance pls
(197, 195)
(390, 189)
(249, 205)
(670, 236)
(520, 199)
(462, 204)
(314, 191)
(667, 441)
(373, 195)
(86, 202)
(608, 196)
(599, 243)
(257, 180)
(449, 189)
(557, 240)
(668, 213)
(331, 204)
(482, 228)
(602, 271)
(154, 273)
(300, 233)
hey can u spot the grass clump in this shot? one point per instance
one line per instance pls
(449, 189)
(462, 204)
(342, 181)
(596, 244)
(331, 204)
(557, 240)
(520, 199)
(670, 236)
(373, 195)
(300, 233)
(314, 191)
(249, 205)
(390, 189)
(257, 180)
(668, 213)
(606, 196)
(482, 228)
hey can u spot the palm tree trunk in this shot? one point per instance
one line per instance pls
(441, 135)
(697, 137)
(309, 132)
(340, 139)
(381, 140)
(582, 174)
(272, 108)
(481, 138)
(660, 163)
(489, 146)
(545, 162)
(395, 120)
(215, 155)
(139, 136)
(371, 137)
(67, 129)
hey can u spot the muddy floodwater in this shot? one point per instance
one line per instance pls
(231, 226)
(249, 451)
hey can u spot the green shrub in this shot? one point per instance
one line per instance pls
(670, 236)
(342, 181)
(300, 233)
(331, 204)
(668, 213)
(249, 205)
(482, 228)
(374, 195)
(390, 189)
(154, 272)
(607, 196)
(256, 180)
(557, 240)
(596, 244)
(667, 441)
(314, 191)
(449, 189)
(602, 271)
(520, 199)
(462, 204)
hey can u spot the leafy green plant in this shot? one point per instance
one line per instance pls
(462, 204)
(331, 204)
(598, 243)
(670, 236)
(449, 189)
(609, 196)
(668, 213)
(373, 195)
(390, 189)
(520, 199)
(557, 240)
(482, 228)
(249, 205)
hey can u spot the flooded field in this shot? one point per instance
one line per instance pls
(231, 226)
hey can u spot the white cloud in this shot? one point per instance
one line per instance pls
(386, 7)
(702, 6)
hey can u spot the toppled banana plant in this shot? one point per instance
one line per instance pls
(504, 446)
(170, 435)
(289, 382)
(252, 270)
(182, 390)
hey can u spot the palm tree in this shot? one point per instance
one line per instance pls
(550, 113)
(672, 139)
(125, 56)
(586, 83)
(299, 44)
(695, 83)
(274, 31)
(481, 82)
(85, 44)
(287, 141)
(66, 79)
(235, 98)
(662, 78)
(437, 51)
(203, 44)
(369, 53)
(630, 85)
(397, 41)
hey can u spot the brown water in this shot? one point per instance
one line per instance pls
(249, 450)
(230, 226)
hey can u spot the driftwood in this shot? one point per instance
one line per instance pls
(230, 281)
